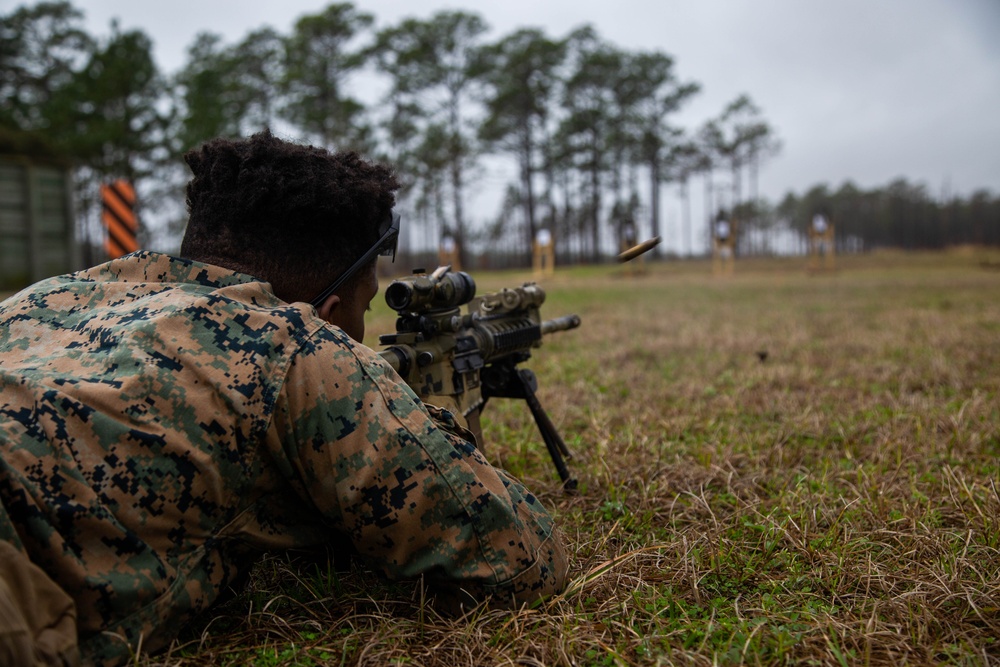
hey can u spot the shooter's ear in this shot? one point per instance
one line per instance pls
(329, 309)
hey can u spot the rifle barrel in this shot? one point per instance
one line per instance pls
(563, 323)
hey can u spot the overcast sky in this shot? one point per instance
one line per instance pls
(866, 90)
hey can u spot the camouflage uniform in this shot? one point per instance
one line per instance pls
(163, 422)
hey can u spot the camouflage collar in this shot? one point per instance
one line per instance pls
(146, 266)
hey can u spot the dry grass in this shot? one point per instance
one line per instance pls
(775, 468)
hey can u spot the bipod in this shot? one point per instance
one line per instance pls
(503, 379)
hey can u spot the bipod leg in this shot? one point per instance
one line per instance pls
(553, 442)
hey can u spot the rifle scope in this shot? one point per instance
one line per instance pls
(440, 290)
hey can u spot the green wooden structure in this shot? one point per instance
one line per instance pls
(37, 235)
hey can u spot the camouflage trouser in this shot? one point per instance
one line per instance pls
(37, 618)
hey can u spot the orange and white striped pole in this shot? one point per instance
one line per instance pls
(118, 216)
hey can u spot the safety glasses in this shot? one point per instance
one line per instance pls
(385, 246)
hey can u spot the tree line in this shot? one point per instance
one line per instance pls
(899, 215)
(583, 120)
(587, 125)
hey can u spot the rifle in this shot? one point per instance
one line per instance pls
(459, 361)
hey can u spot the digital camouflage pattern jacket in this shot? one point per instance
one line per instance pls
(163, 422)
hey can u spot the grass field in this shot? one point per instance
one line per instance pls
(775, 468)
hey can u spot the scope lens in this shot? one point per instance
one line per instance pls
(399, 294)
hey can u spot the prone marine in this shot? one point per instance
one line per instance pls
(165, 421)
